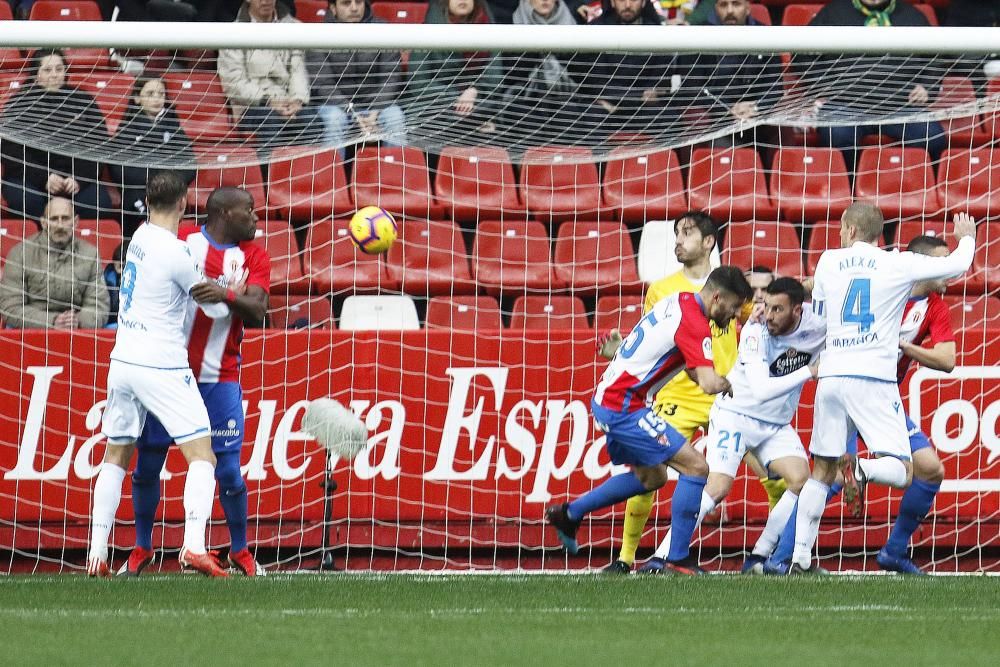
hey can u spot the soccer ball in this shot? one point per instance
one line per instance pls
(373, 230)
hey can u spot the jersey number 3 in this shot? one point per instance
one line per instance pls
(129, 273)
(858, 304)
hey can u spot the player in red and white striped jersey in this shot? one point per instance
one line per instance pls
(673, 336)
(224, 251)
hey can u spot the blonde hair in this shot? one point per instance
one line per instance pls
(866, 218)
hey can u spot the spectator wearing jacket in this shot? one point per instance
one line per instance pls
(357, 89)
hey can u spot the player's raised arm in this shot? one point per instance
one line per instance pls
(925, 267)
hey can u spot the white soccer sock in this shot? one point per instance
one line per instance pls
(107, 496)
(812, 502)
(707, 505)
(887, 470)
(199, 494)
(776, 522)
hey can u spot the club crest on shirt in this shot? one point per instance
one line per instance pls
(706, 348)
(789, 361)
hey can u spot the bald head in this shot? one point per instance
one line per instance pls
(230, 217)
(59, 221)
(865, 219)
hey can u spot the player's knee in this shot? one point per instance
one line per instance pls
(229, 477)
(653, 477)
(697, 468)
(929, 470)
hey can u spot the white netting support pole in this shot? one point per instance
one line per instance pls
(512, 38)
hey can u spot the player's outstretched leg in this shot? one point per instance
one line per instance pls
(107, 497)
(199, 492)
(566, 518)
(145, 500)
(928, 473)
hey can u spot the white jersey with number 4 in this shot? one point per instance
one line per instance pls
(157, 277)
(771, 370)
(861, 291)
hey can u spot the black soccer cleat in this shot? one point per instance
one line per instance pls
(557, 516)
(617, 567)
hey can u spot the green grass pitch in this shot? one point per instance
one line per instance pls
(369, 619)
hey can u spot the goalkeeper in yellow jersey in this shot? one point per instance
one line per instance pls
(681, 403)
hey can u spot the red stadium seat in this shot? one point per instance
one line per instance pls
(512, 257)
(307, 185)
(617, 312)
(201, 106)
(13, 232)
(299, 312)
(5, 12)
(644, 187)
(10, 83)
(430, 258)
(110, 90)
(897, 180)
(335, 265)
(473, 184)
(105, 235)
(58, 10)
(560, 183)
(985, 274)
(729, 184)
(10, 58)
(311, 11)
(991, 120)
(800, 14)
(974, 312)
(475, 313)
(83, 59)
(964, 131)
(596, 256)
(548, 312)
(214, 171)
(395, 178)
(969, 180)
(759, 243)
(760, 14)
(822, 237)
(277, 237)
(400, 12)
(907, 230)
(810, 184)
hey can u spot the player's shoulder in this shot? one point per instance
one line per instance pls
(938, 307)
(187, 230)
(671, 284)
(253, 250)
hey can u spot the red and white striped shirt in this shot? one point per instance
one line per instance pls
(214, 345)
(672, 336)
(923, 317)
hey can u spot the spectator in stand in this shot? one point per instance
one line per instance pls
(976, 14)
(872, 86)
(113, 281)
(357, 88)
(53, 279)
(50, 116)
(545, 83)
(738, 86)
(149, 134)
(466, 82)
(269, 88)
(633, 91)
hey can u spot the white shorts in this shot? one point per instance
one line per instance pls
(872, 407)
(731, 434)
(170, 394)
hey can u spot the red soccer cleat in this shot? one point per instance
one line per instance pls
(245, 563)
(137, 561)
(98, 567)
(854, 488)
(206, 563)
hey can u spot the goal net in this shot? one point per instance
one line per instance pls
(534, 179)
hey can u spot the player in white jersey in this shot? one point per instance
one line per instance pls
(149, 373)
(775, 361)
(673, 336)
(861, 291)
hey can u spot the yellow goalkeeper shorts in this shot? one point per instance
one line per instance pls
(685, 421)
